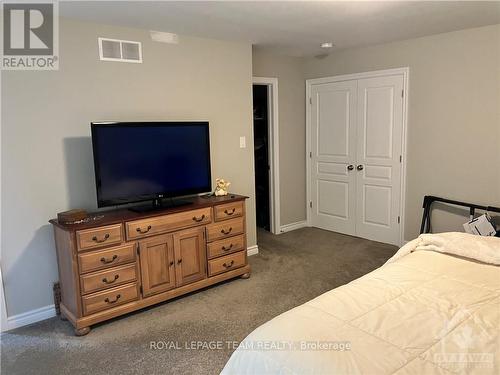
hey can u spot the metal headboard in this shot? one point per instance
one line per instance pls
(430, 199)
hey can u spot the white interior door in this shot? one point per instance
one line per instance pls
(379, 153)
(333, 154)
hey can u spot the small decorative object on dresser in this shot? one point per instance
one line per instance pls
(221, 187)
(72, 216)
(129, 260)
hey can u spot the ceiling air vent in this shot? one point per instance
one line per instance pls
(120, 50)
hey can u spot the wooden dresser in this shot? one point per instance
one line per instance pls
(124, 260)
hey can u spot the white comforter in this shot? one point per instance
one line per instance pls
(423, 312)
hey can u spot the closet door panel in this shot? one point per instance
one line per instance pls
(379, 148)
(333, 150)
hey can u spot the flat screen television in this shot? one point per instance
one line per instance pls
(141, 161)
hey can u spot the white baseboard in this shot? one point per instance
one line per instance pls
(29, 317)
(293, 226)
(252, 250)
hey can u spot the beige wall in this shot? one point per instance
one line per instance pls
(291, 91)
(46, 151)
(454, 121)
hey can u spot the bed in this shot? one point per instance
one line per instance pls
(433, 308)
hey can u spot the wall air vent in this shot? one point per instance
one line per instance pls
(119, 50)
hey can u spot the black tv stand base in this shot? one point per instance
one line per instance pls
(160, 204)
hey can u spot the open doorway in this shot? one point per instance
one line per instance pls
(261, 156)
(265, 126)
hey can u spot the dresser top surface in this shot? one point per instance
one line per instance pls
(120, 215)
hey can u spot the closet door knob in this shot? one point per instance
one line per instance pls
(350, 167)
(360, 167)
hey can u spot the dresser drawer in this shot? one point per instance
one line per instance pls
(226, 246)
(99, 237)
(226, 263)
(225, 229)
(109, 298)
(228, 211)
(167, 223)
(109, 278)
(97, 260)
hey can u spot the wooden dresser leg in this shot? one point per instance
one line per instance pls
(245, 275)
(82, 331)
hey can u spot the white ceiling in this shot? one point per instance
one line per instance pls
(293, 28)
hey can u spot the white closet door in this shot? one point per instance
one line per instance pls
(333, 150)
(379, 149)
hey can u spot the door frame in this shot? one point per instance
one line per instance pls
(405, 71)
(273, 128)
(4, 322)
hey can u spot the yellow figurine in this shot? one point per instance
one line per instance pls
(221, 187)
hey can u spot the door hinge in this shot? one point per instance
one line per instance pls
(138, 249)
(399, 219)
(403, 93)
(400, 158)
(310, 154)
(141, 290)
(311, 204)
(310, 100)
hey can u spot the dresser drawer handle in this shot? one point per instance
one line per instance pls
(107, 300)
(198, 219)
(106, 261)
(226, 232)
(227, 248)
(144, 231)
(106, 281)
(230, 213)
(95, 239)
(228, 265)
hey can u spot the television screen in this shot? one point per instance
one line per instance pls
(147, 160)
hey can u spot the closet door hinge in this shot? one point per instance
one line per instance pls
(138, 249)
(141, 290)
(310, 100)
(402, 93)
(311, 204)
(310, 154)
(400, 158)
(399, 219)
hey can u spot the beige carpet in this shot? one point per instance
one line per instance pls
(289, 270)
